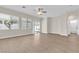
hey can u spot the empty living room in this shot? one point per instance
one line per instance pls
(39, 28)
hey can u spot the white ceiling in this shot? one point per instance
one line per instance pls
(52, 10)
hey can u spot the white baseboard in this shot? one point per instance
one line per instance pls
(60, 34)
(5, 37)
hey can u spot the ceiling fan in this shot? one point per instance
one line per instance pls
(23, 6)
(41, 11)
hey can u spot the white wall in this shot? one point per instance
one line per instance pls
(44, 25)
(57, 25)
(78, 27)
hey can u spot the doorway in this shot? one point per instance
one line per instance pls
(73, 25)
(36, 26)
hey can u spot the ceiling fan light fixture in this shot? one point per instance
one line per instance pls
(39, 13)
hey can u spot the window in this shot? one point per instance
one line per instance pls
(26, 24)
(73, 21)
(3, 18)
(23, 23)
(36, 25)
(8, 22)
(15, 22)
(29, 24)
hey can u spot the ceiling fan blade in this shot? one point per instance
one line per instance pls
(44, 11)
(23, 6)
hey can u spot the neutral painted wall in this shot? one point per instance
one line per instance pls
(78, 27)
(57, 25)
(44, 25)
(60, 24)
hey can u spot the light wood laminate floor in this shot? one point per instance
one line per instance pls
(40, 43)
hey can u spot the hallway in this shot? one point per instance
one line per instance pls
(42, 43)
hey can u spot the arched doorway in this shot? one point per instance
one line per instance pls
(73, 24)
